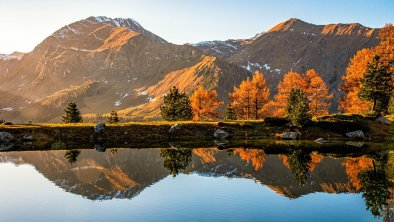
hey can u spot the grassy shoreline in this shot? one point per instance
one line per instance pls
(134, 134)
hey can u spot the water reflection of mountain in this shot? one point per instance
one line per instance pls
(126, 172)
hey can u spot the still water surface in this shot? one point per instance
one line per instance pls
(203, 184)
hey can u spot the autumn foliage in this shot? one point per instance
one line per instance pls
(312, 84)
(256, 157)
(250, 97)
(205, 104)
(351, 103)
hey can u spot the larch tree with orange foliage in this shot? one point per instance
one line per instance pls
(318, 94)
(249, 99)
(314, 86)
(290, 80)
(205, 104)
(386, 46)
(261, 94)
(351, 103)
(242, 99)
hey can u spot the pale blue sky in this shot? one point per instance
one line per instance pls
(25, 23)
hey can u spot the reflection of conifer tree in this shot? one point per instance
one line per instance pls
(375, 186)
(230, 152)
(176, 159)
(114, 152)
(72, 155)
(299, 165)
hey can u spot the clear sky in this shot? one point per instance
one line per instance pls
(25, 23)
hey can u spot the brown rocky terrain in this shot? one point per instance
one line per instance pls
(104, 64)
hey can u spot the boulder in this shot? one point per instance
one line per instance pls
(221, 134)
(383, 120)
(355, 134)
(289, 136)
(99, 128)
(320, 141)
(6, 137)
(174, 128)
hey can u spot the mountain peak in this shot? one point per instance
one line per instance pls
(117, 22)
(92, 24)
(290, 24)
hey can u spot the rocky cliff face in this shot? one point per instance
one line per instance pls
(295, 45)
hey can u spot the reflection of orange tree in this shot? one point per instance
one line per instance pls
(354, 166)
(206, 155)
(257, 157)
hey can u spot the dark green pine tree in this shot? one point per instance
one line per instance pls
(229, 113)
(297, 107)
(176, 106)
(376, 86)
(72, 114)
(113, 118)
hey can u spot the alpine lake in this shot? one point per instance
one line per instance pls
(249, 181)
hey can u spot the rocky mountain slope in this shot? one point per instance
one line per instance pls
(295, 45)
(102, 64)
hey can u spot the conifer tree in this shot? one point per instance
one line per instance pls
(176, 106)
(113, 118)
(72, 114)
(376, 86)
(297, 107)
(229, 113)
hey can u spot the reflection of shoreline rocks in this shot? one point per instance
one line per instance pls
(6, 141)
(126, 172)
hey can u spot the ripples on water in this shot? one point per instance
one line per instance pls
(201, 184)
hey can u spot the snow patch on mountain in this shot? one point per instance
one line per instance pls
(6, 57)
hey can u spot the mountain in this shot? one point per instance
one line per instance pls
(124, 173)
(102, 64)
(295, 45)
